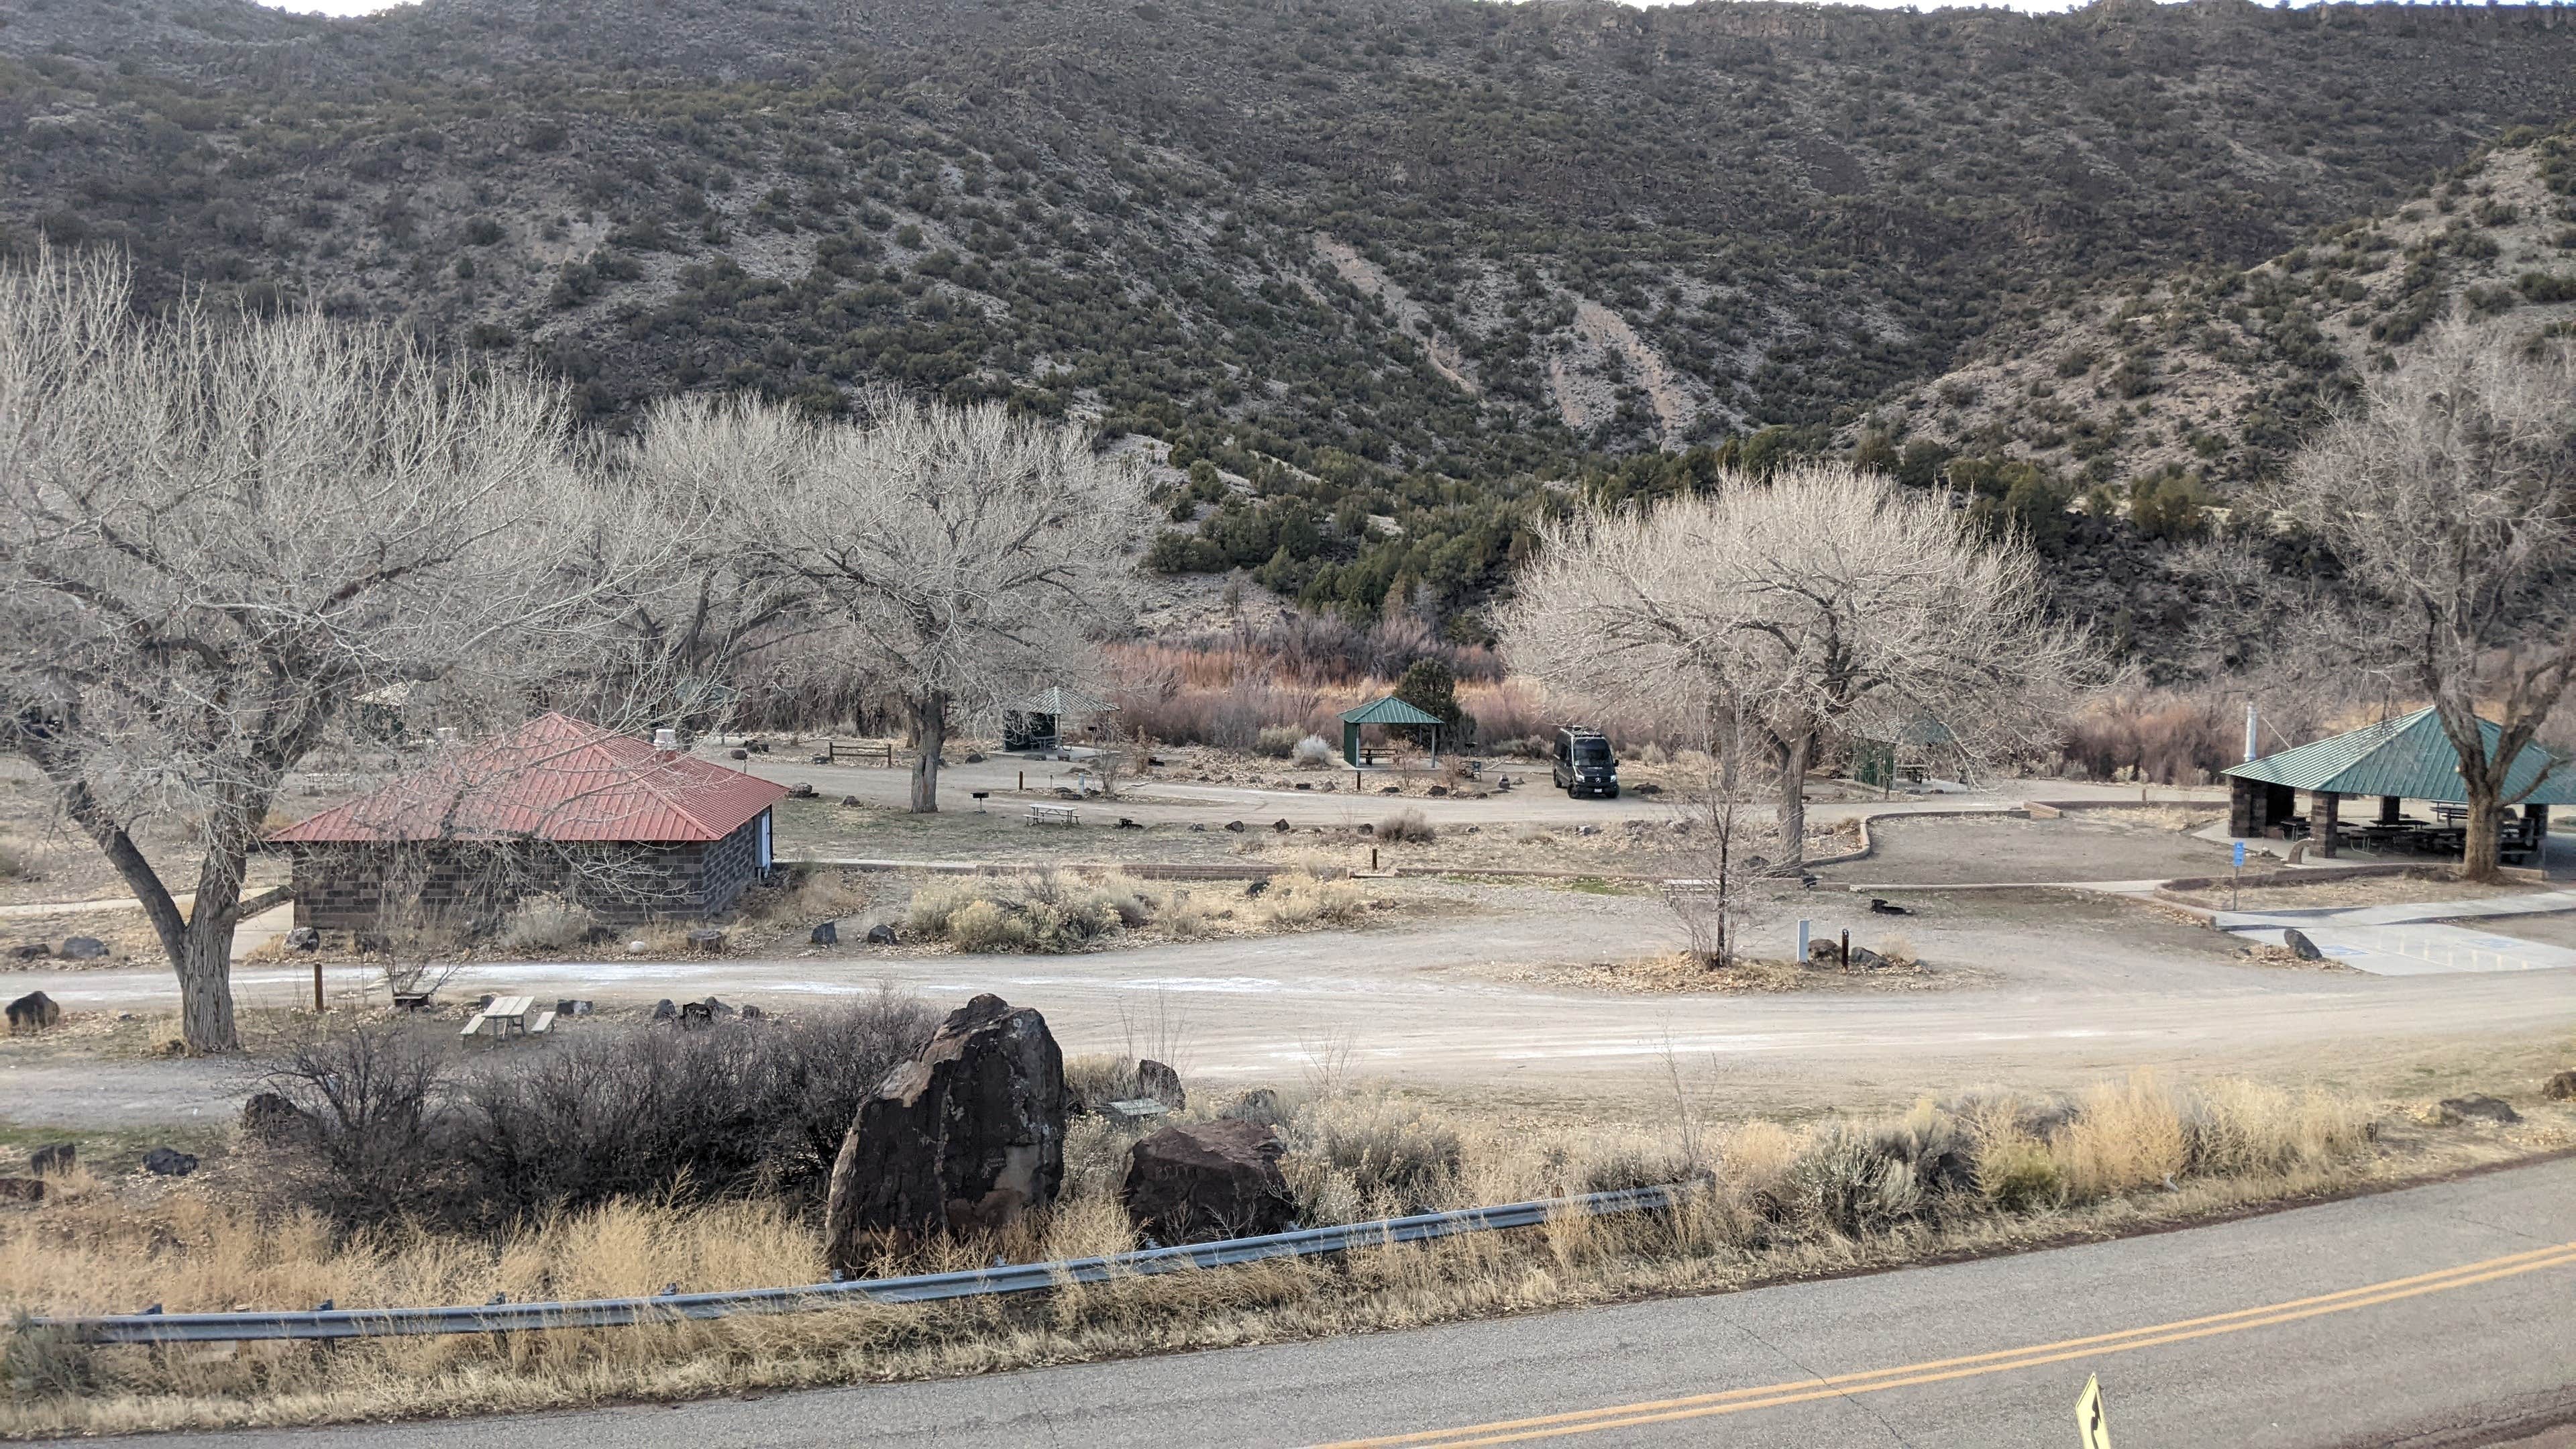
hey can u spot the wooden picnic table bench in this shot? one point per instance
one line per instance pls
(1053, 815)
(509, 1016)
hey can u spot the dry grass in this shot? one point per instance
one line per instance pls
(1680, 973)
(2432, 884)
(1407, 827)
(1782, 1201)
(2180, 819)
(1053, 912)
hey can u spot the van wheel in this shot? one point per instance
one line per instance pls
(1613, 795)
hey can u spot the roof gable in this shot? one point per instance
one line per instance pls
(553, 778)
(1388, 711)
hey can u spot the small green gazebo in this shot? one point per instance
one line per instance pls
(1387, 711)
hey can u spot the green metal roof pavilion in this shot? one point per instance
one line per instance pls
(2407, 758)
(1387, 711)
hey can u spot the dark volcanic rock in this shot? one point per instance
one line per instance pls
(169, 1162)
(32, 1012)
(964, 1138)
(2479, 1104)
(1206, 1180)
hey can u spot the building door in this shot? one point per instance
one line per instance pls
(764, 842)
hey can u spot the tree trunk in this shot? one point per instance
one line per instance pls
(200, 943)
(205, 967)
(930, 735)
(2479, 860)
(203, 954)
(1793, 752)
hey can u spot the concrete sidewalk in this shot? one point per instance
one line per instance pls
(2414, 939)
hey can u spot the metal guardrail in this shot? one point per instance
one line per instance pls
(499, 1317)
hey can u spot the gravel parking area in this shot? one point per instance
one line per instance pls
(2008, 850)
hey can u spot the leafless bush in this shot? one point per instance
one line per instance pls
(545, 923)
(381, 1126)
(1407, 827)
(634, 1112)
(1277, 741)
(1314, 752)
(2160, 736)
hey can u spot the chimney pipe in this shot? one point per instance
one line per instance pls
(667, 740)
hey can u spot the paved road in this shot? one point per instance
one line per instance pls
(2444, 1314)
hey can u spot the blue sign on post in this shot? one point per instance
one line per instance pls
(2240, 855)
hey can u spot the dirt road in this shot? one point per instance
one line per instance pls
(2061, 988)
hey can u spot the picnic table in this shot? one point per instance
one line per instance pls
(509, 1016)
(1052, 815)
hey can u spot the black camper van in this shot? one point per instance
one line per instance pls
(1584, 765)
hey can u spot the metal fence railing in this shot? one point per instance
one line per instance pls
(670, 1307)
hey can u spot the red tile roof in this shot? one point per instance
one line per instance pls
(553, 778)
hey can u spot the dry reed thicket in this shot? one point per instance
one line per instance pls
(1778, 1201)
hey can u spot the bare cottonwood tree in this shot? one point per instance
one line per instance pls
(696, 633)
(215, 533)
(1822, 599)
(975, 555)
(2448, 500)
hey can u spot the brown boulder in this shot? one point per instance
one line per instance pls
(964, 1138)
(269, 1117)
(1205, 1180)
(2560, 1088)
(1161, 1083)
(34, 1011)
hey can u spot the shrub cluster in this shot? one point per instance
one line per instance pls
(2009, 1155)
(1407, 827)
(1046, 911)
(394, 1132)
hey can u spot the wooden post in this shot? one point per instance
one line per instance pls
(2327, 800)
(317, 983)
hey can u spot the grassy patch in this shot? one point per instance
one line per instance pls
(1782, 1201)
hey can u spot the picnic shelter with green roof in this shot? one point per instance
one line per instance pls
(2398, 760)
(1387, 711)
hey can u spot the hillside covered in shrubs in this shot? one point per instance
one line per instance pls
(1382, 276)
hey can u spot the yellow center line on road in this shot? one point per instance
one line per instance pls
(1796, 1391)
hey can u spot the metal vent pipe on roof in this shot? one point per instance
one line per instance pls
(666, 738)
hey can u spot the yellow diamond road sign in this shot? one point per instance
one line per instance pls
(2088, 1415)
